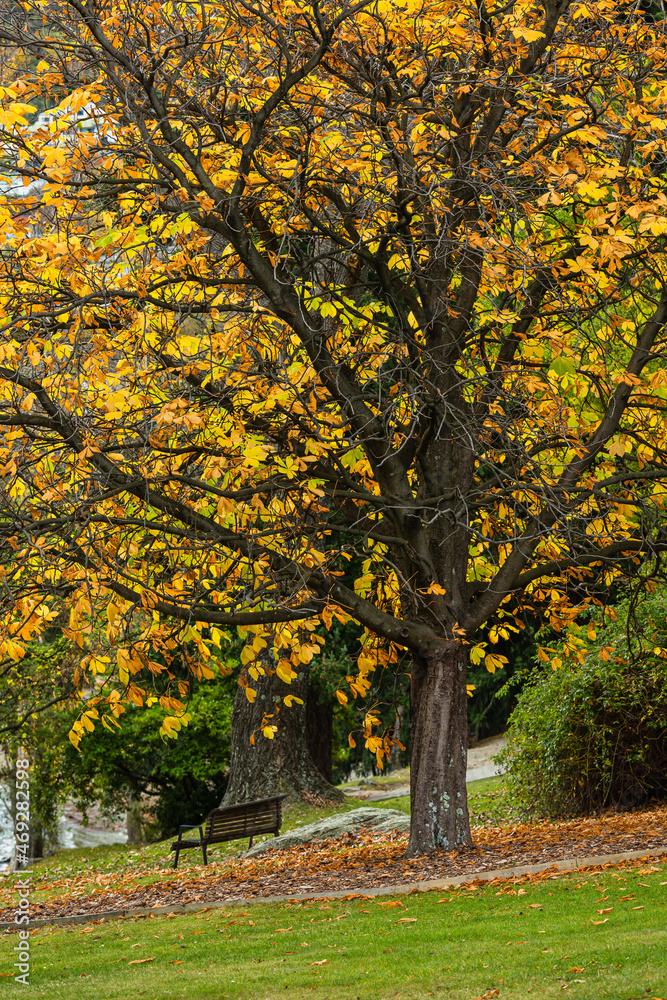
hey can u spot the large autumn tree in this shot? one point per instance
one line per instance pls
(338, 310)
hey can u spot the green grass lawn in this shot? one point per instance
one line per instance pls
(145, 864)
(540, 939)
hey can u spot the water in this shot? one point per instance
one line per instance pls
(71, 832)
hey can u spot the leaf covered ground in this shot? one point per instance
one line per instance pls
(354, 862)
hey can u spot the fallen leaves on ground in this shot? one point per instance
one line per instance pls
(357, 861)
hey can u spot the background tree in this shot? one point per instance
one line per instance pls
(327, 738)
(270, 752)
(366, 284)
(167, 782)
(35, 691)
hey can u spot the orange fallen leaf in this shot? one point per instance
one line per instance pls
(282, 930)
(636, 907)
(534, 906)
(323, 962)
(140, 961)
(575, 968)
(607, 909)
(176, 961)
(605, 921)
(408, 920)
(391, 905)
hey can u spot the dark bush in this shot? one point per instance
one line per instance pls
(594, 734)
(185, 777)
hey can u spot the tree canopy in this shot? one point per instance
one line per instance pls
(288, 289)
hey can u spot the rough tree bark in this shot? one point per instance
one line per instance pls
(134, 821)
(319, 732)
(394, 756)
(438, 750)
(277, 766)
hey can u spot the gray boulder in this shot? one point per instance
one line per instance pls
(381, 820)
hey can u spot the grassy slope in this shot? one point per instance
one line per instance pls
(147, 864)
(538, 940)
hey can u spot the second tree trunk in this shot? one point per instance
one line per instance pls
(263, 767)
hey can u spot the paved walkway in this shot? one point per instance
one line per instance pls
(480, 765)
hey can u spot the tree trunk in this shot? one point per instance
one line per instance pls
(319, 732)
(438, 755)
(36, 839)
(394, 756)
(35, 844)
(134, 820)
(279, 765)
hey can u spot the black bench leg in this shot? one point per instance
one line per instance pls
(176, 860)
(203, 850)
(250, 843)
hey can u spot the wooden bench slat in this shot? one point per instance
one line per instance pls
(255, 821)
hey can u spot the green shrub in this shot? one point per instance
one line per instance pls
(185, 777)
(594, 734)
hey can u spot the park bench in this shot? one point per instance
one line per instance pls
(247, 819)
